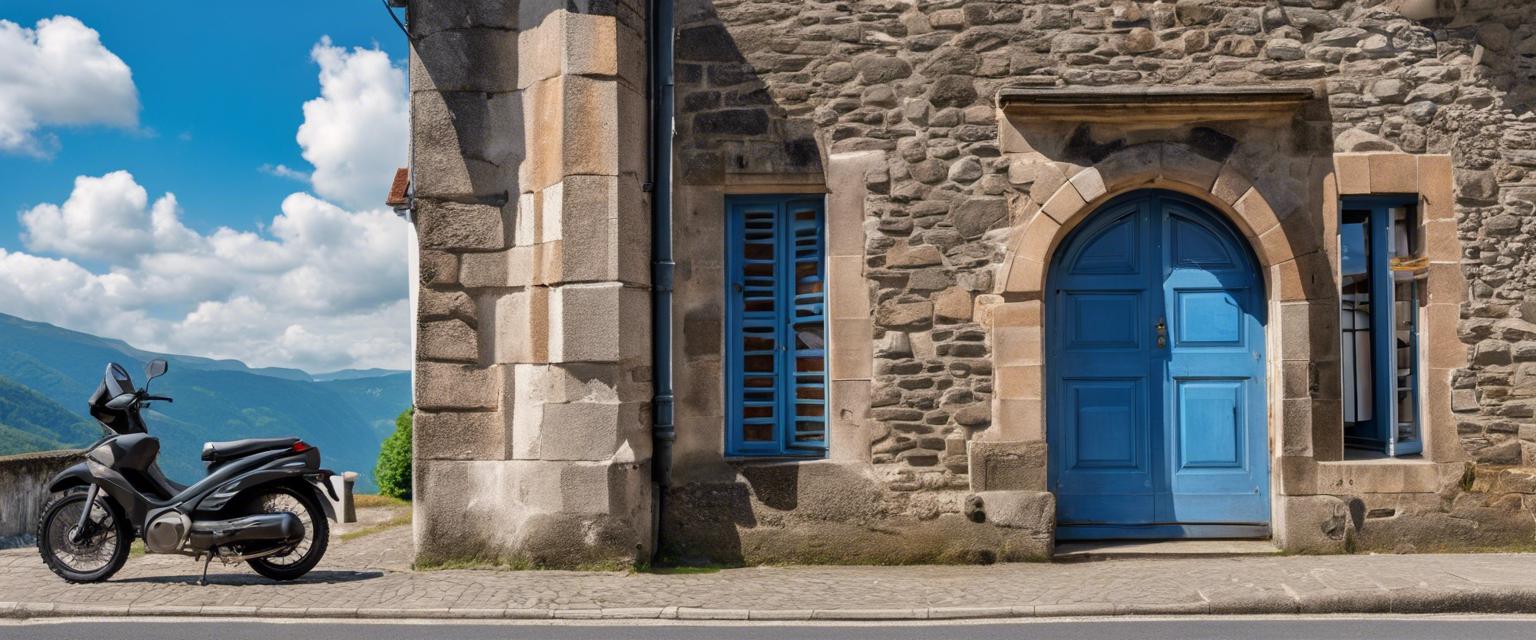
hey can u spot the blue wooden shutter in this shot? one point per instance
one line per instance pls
(776, 327)
(1392, 423)
(808, 326)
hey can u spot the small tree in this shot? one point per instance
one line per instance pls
(393, 472)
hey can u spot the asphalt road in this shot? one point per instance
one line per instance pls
(1353, 628)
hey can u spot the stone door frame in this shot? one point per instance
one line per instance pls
(1296, 251)
(1016, 320)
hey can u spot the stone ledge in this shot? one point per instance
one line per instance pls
(1155, 104)
(40, 456)
(1386, 475)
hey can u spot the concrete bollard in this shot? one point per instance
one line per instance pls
(343, 482)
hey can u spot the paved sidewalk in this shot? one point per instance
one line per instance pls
(368, 578)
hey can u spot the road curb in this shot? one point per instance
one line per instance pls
(1363, 602)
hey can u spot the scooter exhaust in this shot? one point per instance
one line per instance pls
(273, 528)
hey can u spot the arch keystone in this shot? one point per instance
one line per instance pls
(1134, 165)
(1181, 163)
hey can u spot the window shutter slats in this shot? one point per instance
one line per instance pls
(776, 327)
(808, 327)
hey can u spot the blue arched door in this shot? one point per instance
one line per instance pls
(1156, 413)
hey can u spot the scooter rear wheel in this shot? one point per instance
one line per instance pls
(101, 553)
(298, 561)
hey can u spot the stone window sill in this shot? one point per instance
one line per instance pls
(1362, 456)
(1384, 475)
(750, 460)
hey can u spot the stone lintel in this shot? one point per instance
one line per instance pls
(1153, 104)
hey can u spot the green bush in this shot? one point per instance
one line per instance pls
(393, 472)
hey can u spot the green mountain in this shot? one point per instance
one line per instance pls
(354, 374)
(31, 422)
(215, 400)
(377, 399)
(27, 411)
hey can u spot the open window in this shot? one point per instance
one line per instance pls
(1380, 268)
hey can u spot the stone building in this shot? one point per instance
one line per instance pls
(957, 279)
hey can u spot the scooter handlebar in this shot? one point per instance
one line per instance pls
(158, 399)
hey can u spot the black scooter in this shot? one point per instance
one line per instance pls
(264, 502)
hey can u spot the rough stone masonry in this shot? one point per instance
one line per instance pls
(944, 203)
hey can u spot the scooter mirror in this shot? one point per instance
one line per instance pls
(155, 368)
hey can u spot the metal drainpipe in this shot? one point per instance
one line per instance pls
(663, 428)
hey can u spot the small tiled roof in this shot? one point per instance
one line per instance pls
(398, 189)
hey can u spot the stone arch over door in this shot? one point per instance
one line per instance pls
(1289, 246)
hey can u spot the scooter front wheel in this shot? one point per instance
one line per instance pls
(91, 555)
(295, 562)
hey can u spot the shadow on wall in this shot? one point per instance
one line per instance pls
(466, 111)
(489, 123)
(728, 122)
(701, 524)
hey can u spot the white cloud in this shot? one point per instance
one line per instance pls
(322, 288)
(284, 171)
(106, 218)
(355, 132)
(59, 73)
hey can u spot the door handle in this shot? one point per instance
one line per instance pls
(1162, 333)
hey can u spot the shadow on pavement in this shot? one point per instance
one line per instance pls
(313, 577)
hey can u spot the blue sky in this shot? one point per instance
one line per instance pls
(137, 147)
(220, 84)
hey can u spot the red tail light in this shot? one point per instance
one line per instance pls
(301, 447)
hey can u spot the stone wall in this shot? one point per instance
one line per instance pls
(532, 434)
(533, 377)
(1490, 128)
(23, 489)
(761, 84)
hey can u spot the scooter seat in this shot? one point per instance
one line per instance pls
(220, 451)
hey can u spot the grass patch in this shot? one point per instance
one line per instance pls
(682, 570)
(373, 501)
(399, 520)
(481, 565)
(1449, 549)
(525, 564)
(136, 549)
(518, 564)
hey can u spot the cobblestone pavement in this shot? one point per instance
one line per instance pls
(370, 577)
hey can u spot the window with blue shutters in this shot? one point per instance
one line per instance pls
(776, 328)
